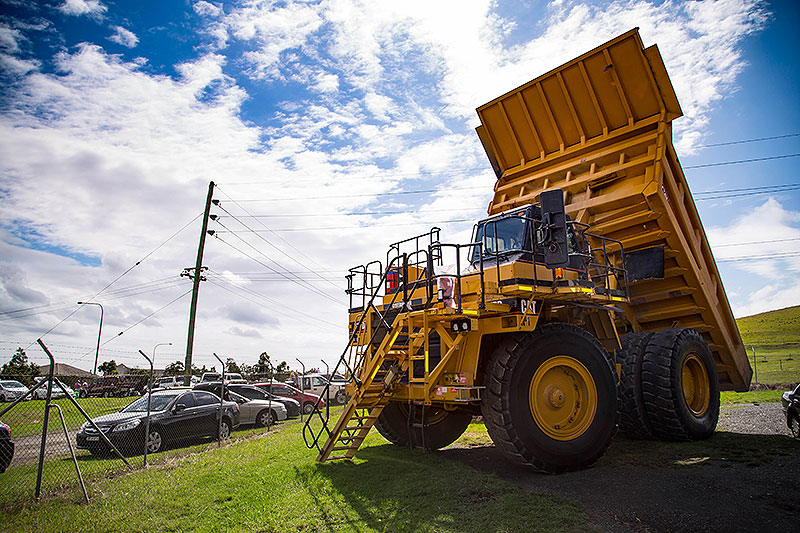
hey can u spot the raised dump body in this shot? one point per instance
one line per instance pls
(599, 128)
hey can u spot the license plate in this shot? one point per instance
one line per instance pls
(92, 439)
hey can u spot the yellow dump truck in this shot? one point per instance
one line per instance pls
(587, 300)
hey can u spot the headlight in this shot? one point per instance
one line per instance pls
(125, 426)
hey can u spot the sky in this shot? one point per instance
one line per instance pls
(332, 128)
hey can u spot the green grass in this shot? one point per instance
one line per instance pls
(775, 337)
(26, 418)
(270, 482)
(758, 396)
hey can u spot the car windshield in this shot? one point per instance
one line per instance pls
(159, 403)
(12, 383)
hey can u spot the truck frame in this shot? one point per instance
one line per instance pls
(588, 300)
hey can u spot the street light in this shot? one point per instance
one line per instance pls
(97, 352)
(157, 345)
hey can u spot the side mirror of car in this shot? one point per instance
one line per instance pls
(180, 407)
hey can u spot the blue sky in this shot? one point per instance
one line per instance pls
(319, 120)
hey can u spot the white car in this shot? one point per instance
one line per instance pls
(315, 384)
(260, 413)
(11, 389)
(41, 392)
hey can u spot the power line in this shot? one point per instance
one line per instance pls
(147, 317)
(305, 283)
(268, 229)
(396, 193)
(754, 242)
(312, 288)
(374, 225)
(154, 250)
(722, 163)
(760, 257)
(749, 140)
(280, 309)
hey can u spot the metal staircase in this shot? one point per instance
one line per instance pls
(376, 364)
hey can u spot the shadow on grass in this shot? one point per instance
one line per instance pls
(396, 489)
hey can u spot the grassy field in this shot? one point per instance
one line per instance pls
(270, 482)
(27, 417)
(775, 337)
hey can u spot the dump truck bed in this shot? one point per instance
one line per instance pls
(599, 128)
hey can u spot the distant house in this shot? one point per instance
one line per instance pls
(65, 370)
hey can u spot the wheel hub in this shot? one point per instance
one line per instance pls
(563, 398)
(695, 384)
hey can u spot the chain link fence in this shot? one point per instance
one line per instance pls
(104, 427)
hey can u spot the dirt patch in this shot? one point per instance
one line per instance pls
(745, 478)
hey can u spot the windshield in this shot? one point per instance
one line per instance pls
(500, 236)
(16, 384)
(159, 403)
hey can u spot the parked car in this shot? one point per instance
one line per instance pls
(209, 376)
(791, 408)
(308, 401)
(175, 415)
(235, 378)
(316, 383)
(168, 382)
(260, 413)
(125, 385)
(41, 392)
(11, 390)
(255, 393)
(251, 392)
(6, 447)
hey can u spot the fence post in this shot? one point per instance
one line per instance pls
(149, 397)
(221, 399)
(46, 418)
(755, 361)
(300, 386)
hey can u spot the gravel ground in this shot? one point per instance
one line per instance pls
(745, 478)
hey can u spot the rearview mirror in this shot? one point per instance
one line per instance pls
(554, 229)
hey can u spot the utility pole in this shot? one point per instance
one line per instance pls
(196, 279)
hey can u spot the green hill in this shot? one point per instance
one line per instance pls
(773, 328)
(774, 336)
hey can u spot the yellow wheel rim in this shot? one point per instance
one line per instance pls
(695, 383)
(563, 398)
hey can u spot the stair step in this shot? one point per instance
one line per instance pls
(334, 457)
(342, 448)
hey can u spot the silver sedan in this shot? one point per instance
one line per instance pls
(260, 413)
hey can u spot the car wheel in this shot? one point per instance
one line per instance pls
(82, 394)
(154, 441)
(105, 395)
(794, 425)
(3, 398)
(341, 397)
(224, 430)
(265, 418)
(308, 408)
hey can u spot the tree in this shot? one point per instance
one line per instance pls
(231, 366)
(19, 369)
(174, 369)
(108, 368)
(283, 366)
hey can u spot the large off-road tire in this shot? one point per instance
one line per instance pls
(441, 429)
(680, 386)
(632, 416)
(551, 398)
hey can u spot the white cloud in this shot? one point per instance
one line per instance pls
(82, 7)
(759, 252)
(124, 37)
(207, 9)
(103, 159)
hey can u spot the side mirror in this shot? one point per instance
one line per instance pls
(178, 408)
(554, 229)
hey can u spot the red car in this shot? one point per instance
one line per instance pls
(308, 401)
